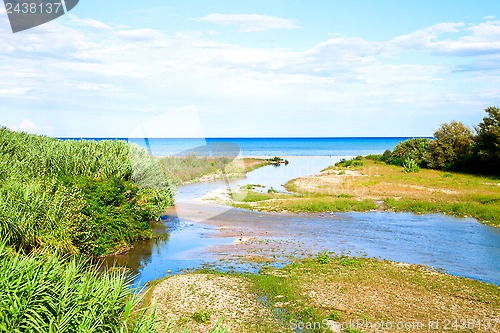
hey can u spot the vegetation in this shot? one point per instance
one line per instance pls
(355, 162)
(349, 293)
(488, 140)
(182, 170)
(453, 143)
(77, 196)
(377, 185)
(412, 149)
(276, 161)
(331, 293)
(44, 293)
(454, 147)
(63, 201)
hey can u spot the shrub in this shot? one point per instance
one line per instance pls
(414, 149)
(488, 140)
(386, 155)
(453, 143)
(374, 157)
(355, 162)
(410, 165)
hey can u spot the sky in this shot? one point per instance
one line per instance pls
(238, 68)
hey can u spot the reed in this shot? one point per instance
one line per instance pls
(44, 293)
(89, 197)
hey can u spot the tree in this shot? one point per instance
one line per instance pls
(488, 139)
(453, 143)
(413, 149)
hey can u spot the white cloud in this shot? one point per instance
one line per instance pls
(13, 92)
(112, 81)
(29, 126)
(251, 22)
(425, 37)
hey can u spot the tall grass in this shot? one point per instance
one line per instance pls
(73, 197)
(90, 197)
(185, 169)
(43, 293)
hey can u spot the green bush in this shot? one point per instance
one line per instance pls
(453, 144)
(355, 162)
(410, 165)
(488, 140)
(386, 156)
(414, 149)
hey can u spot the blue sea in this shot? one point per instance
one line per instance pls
(275, 146)
(267, 146)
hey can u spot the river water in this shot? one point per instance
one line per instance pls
(459, 246)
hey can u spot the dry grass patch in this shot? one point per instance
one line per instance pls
(423, 192)
(359, 293)
(198, 301)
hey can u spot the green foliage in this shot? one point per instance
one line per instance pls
(117, 214)
(251, 196)
(414, 149)
(409, 165)
(323, 258)
(374, 157)
(201, 317)
(453, 143)
(386, 156)
(184, 169)
(42, 293)
(335, 316)
(355, 162)
(77, 196)
(488, 140)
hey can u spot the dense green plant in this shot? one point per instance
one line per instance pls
(201, 317)
(323, 258)
(355, 162)
(43, 293)
(386, 155)
(453, 142)
(409, 165)
(488, 140)
(414, 149)
(89, 197)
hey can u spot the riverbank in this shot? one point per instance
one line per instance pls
(373, 185)
(342, 294)
(183, 170)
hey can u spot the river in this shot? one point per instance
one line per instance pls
(200, 232)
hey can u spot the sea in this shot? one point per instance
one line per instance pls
(352, 146)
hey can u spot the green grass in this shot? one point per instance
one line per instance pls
(77, 196)
(85, 199)
(426, 191)
(43, 293)
(487, 212)
(316, 205)
(201, 317)
(182, 170)
(251, 196)
(350, 290)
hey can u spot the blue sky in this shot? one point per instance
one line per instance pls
(256, 68)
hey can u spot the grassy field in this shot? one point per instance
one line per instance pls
(183, 170)
(334, 294)
(370, 185)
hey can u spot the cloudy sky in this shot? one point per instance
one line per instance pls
(237, 68)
